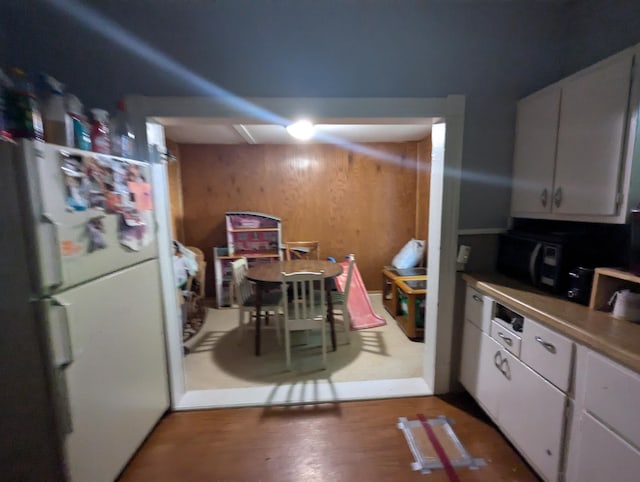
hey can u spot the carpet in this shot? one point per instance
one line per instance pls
(359, 304)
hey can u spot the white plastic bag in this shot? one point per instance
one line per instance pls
(410, 254)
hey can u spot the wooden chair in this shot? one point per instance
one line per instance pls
(271, 301)
(307, 311)
(198, 252)
(340, 299)
(200, 275)
(195, 297)
(302, 250)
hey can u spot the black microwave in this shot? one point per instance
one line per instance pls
(542, 260)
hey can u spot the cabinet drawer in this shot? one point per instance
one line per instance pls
(547, 352)
(612, 393)
(476, 305)
(508, 339)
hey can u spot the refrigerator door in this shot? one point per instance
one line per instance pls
(107, 337)
(91, 214)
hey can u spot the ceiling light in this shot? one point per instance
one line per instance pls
(302, 130)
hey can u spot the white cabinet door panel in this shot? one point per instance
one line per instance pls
(490, 380)
(469, 367)
(532, 413)
(612, 395)
(602, 455)
(590, 139)
(535, 152)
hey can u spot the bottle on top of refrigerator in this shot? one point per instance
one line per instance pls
(58, 127)
(81, 137)
(122, 136)
(22, 115)
(100, 140)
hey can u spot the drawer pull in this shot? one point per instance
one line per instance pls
(543, 197)
(477, 298)
(497, 360)
(507, 370)
(506, 339)
(549, 346)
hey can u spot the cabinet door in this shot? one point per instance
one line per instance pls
(602, 456)
(590, 140)
(471, 338)
(535, 152)
(478, 371)
(490, 380)
(532, 414)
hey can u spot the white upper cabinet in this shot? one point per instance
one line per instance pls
(574, 146)
(535, 152)
(591, 139)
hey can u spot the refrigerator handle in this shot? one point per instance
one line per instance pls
(60, 341)
(57, 278)
(60, 334)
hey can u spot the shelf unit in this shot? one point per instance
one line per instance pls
(409, 283)
(255, 236)
(607, 281)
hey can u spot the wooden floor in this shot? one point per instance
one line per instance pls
(351, 441)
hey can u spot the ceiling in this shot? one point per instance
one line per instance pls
(217, 131)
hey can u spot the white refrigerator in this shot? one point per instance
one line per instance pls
(82, 350)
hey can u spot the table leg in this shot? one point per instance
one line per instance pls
(258, 308)
(330, 318)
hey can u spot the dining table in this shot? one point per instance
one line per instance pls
(269, 275)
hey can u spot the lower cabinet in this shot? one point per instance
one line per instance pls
(605, 436)
(532, 413)
(524, 389)
(527, 408)
(600, 455)
(478, 372)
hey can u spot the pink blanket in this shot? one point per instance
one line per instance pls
(359, 304)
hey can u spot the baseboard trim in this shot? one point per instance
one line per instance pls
(471, 232)
(309, 391)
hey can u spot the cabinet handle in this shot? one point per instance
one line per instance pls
(497, 360)
(549, 346)
(506, 339)
(477, 298)
(557, 197)
(506, 371)
(543, 197)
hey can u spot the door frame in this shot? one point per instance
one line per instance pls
(146, 114)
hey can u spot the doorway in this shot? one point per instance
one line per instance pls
(442, 242)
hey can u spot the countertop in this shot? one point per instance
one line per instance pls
(598, 330)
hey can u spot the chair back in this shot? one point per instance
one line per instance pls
(308, 298)
(200, 276)
(241, 285)
(197, 252)
(302, 250)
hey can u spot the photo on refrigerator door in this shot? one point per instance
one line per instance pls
(96, 233)
(85, 182)
(73, 180)
(136, 216)
(114, 187)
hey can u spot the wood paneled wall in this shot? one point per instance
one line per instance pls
(422, 190)
(175, 192)
(362, 202)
